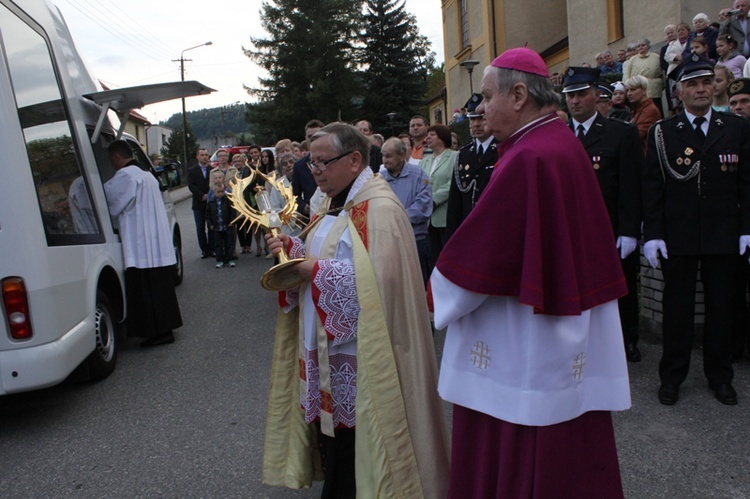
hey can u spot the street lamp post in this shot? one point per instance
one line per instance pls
(184, 115)
(392, 120)
(469, 66)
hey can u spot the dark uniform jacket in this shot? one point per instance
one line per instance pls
(198, 185)
(614, 148)
(303, 184)
(471, 175)
(707, 213)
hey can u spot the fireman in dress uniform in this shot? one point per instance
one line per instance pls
(696, 201)
(474, 166)
(615, 151)
(739, 96)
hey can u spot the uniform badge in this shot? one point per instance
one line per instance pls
(679, 161)
(466, 167)
(596, 160)
(687, 161)
(689, 151)
(723, 168)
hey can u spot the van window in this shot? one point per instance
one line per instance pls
(64, 196)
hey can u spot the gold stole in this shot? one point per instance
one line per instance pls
(384, 454)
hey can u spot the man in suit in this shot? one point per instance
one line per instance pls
(696, 200)
(438, 165)
(614, 148)
(198, 183)
(476, 162)
(737, 26)
(303, 182)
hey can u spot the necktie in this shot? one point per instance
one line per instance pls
(581, 132)
(480, 151)
(697, 122)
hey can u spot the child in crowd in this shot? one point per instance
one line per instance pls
(220, 215)
(699, 46)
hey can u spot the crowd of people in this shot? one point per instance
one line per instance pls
(525, 241)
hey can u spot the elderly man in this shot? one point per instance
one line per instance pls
(412, 187)
(614, 149)
(533, 359)
(737, 26)
(135, 203)
(610, 64)
(696, 201)
(473, 169)
(367, 383)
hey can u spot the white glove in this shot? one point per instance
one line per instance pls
(651, 251)
(744, 244)
(626, 245)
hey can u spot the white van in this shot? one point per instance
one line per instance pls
(61, 269)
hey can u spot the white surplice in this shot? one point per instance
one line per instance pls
(502, 359)
(136, 206)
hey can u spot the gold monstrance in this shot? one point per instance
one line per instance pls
(283, 275)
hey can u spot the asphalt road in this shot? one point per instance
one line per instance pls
(188, 419)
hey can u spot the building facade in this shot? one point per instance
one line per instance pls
(564, 32)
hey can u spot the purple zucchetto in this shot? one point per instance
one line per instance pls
(522, 59)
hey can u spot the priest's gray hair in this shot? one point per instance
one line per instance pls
(346, 138)
(541, 91)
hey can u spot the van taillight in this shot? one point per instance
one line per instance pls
(17, 308)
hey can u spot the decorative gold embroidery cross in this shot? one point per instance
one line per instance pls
(480, 355)
(578, 365)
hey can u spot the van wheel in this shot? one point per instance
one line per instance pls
(179, 267)
(102, 360)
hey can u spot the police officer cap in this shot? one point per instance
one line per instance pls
(580, 78)
(604, 92)
(739, 86)
(472, 104)
(693, 66)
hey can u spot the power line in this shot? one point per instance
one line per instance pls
(143, 30)
(103, 25)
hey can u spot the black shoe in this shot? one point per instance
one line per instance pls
(162, 339)
(632, 353)
(204, 256)
(724, 393)
(669, 394)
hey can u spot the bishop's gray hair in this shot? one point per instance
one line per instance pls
(541, 91)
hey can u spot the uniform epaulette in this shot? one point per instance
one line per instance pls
(668, 118)
(619, 120)
(465, 146)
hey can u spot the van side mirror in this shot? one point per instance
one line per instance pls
(173, 174)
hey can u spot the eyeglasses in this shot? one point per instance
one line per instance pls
(322, 164)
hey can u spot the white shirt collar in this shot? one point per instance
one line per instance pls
(586, 124)
(691, 117)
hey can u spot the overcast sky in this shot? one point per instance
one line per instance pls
(134, 42)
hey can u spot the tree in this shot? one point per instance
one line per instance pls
(172, 149)
(311, 62)
(397, 60)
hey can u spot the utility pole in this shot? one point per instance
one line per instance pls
(184, 115)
